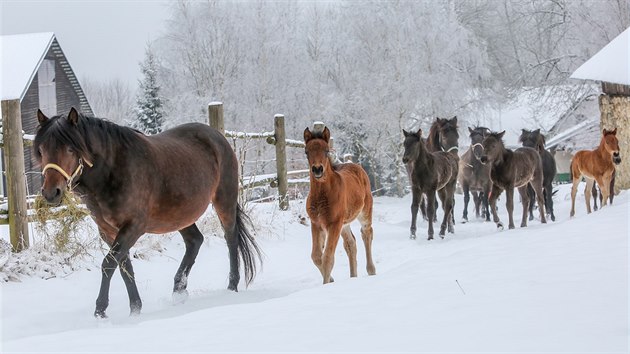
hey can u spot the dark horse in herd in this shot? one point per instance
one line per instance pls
(133, 184)
(431, 173)
(534, 139)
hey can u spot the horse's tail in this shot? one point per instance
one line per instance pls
(247, 246)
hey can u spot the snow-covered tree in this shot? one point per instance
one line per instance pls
(149, 106)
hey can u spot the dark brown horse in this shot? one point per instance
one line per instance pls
(510, 169)
(339, 194)
(133, 184)
(430, 172)
(535, 140)
(443, 136)
(595, 165)
(474, 176)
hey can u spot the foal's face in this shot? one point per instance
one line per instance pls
(532, 139)
(476, 139)
(612, 145)
(317, 152)
(492, 147)
(412, 146)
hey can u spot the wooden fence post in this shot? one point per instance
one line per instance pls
(16, 178)
(281, 160)
(215, 116)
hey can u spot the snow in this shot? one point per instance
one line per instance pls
(610, 64)
(21, 56)
(559, 287)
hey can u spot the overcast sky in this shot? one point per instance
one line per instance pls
(102, 39)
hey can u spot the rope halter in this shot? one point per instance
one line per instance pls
(451, 148)
(69, 178)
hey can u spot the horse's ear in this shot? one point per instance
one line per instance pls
(73, 116)
(614, 132)
(501, 134)
(406, 133)
(41, 117)
(470, 130)
(326, 134)
(537, 131)
(454, 119)
(307, 135)
(419, 133)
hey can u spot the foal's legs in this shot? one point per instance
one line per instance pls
(193, 240)
(447, 207)
(466, 189)
(319, 238)
(415, 201)
(367, 234)
(594, 193)
(509, 205)
(350, 245)
(430, 212)
(576, 182)
(494, 195)
(587, 193)
(328, 259)
(524, 192)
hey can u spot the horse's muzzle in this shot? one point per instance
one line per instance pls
(483, 159)
(318, 171)
(52, 196)
(616, 158)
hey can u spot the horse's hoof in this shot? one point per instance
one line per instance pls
(233, 287)
(500, 226)
(523, 225)
(180, 296)
(531, 218)
(553, 217)
(100, 314)
(511, 227)
(412, 237)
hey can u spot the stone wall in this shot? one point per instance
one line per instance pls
(615, 113)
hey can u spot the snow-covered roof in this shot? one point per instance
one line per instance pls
(21, 56)
(610, 64)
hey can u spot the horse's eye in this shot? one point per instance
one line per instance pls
(70, 150)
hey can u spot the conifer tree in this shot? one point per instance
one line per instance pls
(149, 106)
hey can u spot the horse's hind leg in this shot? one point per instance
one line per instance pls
(350, 245)
(466, 189)
(595, 195)
(367, 234)
(193, 240)
(548, 194)
(531, 195)
(226, 207)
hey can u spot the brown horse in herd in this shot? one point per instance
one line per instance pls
(338, 195)
(134, 184)
(595, 165)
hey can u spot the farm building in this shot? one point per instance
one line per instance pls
(36, 73)
(611, 67)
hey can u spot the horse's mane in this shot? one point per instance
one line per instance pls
(89, 131)
(433, 137)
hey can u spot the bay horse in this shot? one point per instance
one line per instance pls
(430, 173)
(338, 195)
(595, 165)
(135, 184)
(509, 169)
(474, 177)
(534, 139)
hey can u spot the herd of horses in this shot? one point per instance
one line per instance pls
(135, 184)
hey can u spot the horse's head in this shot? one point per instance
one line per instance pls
(532, 139)
(413, 144)
(476, 138)
(612, 145)
(448, 134)
(492, 147)
(317, 150)
(61, 150)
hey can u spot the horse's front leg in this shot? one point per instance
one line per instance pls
(484, 199)
(525, 200)
(415, 201)
(466, 189)
(430, 212)
(587, 193)
(119, 255)
(509, 205)
(494, 195)
(319, 238)
(328, 259)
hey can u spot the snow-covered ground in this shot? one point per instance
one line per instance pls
(560, 287)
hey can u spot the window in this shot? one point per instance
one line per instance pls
(47, 88)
